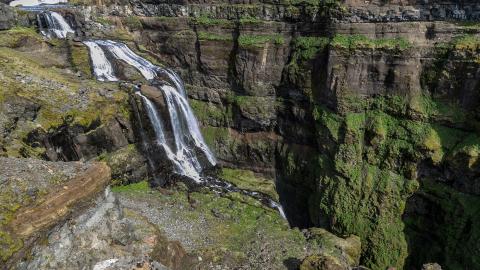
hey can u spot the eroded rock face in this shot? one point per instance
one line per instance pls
(38, 194)
(7, 17)
(354, 115)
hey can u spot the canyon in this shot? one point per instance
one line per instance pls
(358, 119)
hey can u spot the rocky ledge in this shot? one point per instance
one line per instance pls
(36, 195)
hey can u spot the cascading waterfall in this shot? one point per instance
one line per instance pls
(185, 129)
(181, 164)
(102, 68)
(53, 25)
(122, 52)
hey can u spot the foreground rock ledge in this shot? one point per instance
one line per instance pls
(35, 195)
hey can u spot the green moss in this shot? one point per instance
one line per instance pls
(353, 42)
(16, 36)
(214, 135)
(104, 20)
(245, 20)
(208, 21)
(259, 40)
(456, 232)
(213, 36)
(329, 119)
(236, 224)
(140, 187)
(467, 43)
(208, 113)
(133, 22)
(308, 47)
(81, 60)
(249, 181)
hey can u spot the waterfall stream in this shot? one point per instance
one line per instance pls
(102, 68)
(183, 125)
(52, 24)
(185, 130)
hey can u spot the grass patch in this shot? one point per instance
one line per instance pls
(139, 187)
(213, 36)
(247, 180)
(308, 47)
(353, 42)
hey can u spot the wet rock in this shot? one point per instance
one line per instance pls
(431, 266)
(322, 262)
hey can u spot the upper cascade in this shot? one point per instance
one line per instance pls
(187, 138)
(53, 25)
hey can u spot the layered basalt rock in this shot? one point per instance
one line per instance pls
(37, 195)
(365, 114)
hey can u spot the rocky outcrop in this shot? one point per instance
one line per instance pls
(7, 17)
(135, 226)
(38, 195)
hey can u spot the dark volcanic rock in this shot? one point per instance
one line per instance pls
(7, 17)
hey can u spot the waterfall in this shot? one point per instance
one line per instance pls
(185, 129)
(183, 125)
(185, 166)
(177, 81)
(187, 126)
(122, 52)
(102, 68)
(52, 25)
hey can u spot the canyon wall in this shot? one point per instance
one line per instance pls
(363, 113)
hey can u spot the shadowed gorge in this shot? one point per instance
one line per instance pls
(233, 135)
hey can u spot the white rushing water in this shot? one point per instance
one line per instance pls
(102, 68)
(122, 52)
(186, 126)
(185, 166)
(185, 129)
(31, 3)
(53, 24)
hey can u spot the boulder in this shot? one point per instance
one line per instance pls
(7, 17)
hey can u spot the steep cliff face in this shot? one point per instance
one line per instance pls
(363, 115)
(368, 126)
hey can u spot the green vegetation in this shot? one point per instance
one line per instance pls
(366, 177)
(249, 181)
(139, 187)
(353, 42)
(249, 20)
(104, 20)
(16, 36)
(259, 40)
(213, 36)
(208, 21)
(81, 60)
(214, 136)
(133, 22)
(233, 222)
(308, 47)
(456, 232)
(46, 75)
(213, 114)
(467, 43)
